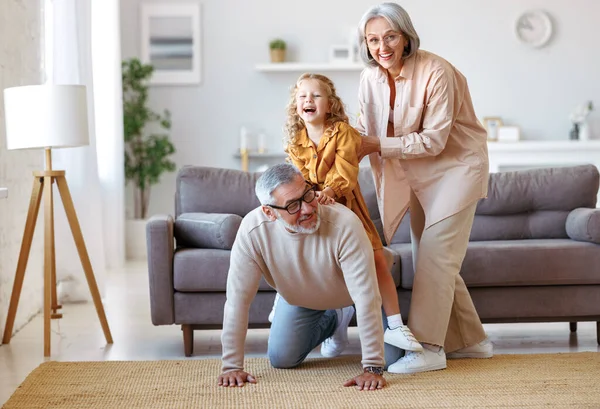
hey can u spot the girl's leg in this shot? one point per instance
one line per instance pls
(387, 287)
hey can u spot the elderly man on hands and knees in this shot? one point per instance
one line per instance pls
(320, 261)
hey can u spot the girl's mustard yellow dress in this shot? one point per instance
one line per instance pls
(334, 164)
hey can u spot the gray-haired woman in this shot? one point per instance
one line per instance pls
(428, 153)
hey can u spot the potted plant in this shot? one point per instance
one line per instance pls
(277, 47)
(579, 120)
(147, 145)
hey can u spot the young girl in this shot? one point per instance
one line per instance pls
(322, 144)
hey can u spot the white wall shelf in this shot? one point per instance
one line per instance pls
(3, 192)
(265, 155)
(308, 67)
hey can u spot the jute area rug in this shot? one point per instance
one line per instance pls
(547, 380)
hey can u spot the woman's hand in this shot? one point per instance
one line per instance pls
(326, 196)
(368, 145)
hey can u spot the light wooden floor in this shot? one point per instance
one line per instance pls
(78, 336)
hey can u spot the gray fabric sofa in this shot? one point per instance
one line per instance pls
(533, 256)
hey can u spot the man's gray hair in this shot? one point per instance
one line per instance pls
(398, 19)
(275, 176)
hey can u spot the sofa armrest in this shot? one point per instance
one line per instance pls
(583, 224)
(160, 244)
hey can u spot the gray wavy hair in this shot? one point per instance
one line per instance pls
(275, 176)
(400, 22)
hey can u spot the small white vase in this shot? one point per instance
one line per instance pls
(584, 131)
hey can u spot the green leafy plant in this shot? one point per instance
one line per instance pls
(277, 44)
(147, 145)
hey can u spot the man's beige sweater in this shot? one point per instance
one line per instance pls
(329, 269)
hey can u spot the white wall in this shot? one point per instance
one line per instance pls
(534, 89)
(20, 64)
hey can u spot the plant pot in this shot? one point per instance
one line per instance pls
(135, 239)
(277, 55)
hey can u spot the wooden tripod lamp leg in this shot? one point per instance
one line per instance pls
(32, 214)
(55, 306)
(65, 195)
(48, 262)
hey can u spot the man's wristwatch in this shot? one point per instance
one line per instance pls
(376, 370)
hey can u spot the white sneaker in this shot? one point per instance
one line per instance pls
(484, 349)
(423, 361)
(403, 338)
(272, 313)
(335, 344)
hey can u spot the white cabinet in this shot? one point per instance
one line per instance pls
(536, 154)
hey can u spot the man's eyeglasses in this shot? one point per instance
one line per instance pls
(295, 206)
(391, 40)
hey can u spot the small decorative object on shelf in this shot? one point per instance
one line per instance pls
(244, 148)
(509, 134)
(277, 47)
(578, 118)
(491, 125)
(574, 132)
(341, 54)
(262, 143)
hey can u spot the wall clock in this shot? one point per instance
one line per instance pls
(534, 28)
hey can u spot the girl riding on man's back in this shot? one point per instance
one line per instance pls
(322, 144)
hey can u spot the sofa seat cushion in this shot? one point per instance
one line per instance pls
(203, 270)
(207, 230)
(523, 263)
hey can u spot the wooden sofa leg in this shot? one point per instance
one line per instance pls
(188, 339)
(573, 326)
(598, 332)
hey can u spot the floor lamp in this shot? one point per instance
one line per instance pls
(47, 117)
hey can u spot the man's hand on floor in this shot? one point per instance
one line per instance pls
(235, 378)
(367, 381)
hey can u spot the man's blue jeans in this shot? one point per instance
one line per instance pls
(296, 331)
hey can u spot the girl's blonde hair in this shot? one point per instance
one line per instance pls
(295, 124)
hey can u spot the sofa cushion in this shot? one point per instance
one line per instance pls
(541, 224)
(214, 190)
(523, 263)
(562, 188)
(584, 225)
(203, 270)
(207, 230)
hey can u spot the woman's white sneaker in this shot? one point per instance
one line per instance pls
(402, 338)
(484, 349)
(423, 361)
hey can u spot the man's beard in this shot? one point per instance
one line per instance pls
(300, 229)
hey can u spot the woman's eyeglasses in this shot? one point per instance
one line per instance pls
(391, 40)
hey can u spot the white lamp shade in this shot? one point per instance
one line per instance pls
(46, 116)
